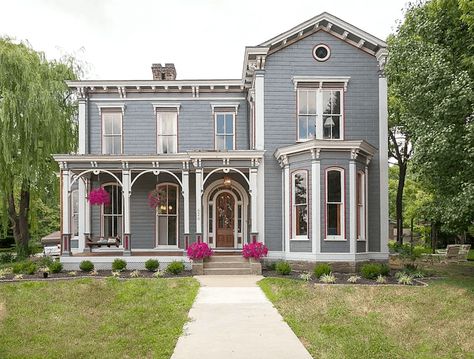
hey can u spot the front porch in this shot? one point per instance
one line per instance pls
(204, 196)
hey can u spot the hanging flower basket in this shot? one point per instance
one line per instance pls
(98, 197)
(154, 199)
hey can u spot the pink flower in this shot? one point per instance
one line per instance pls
(255, 250)
(199, 250)
(98, 197)
(153, 199)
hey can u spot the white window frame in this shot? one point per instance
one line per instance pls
(159, 127)
(157, 215)
(216, 113)
(340, 115)
(295, 237)
(307, 115)
(361, 198)
(340, 237)
(103, 215)
(74, 214)
(118, 111)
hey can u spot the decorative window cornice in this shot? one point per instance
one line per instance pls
(217, 105)
(172, 105)
(102, 106)
(320, 80)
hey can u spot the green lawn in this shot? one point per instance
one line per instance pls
(381, 322)
(91, 318)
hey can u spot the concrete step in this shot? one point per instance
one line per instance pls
(217, 258)
(226, 265)
(227, 271)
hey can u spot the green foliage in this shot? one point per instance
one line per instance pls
(25, 267)
(283, 268)
(175, 267)
(353, 279)
(152, 265)
(321, 269)
(306, 276)
(381, 279)
(119, 265)
(328, 278)
(270, 265)
(6, 257)
(373, 270)
(55, 267)
(405, 279)
(86, 266)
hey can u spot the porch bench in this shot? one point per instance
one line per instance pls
(101, 241)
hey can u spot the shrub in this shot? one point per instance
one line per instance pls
(55, 267)
(384, 269)
(321, 269)
(158, 274)
(255, 250)
(175, 267)
(283, 268)
(86, 266)
(26, 267)
(45, 261)
(152, 265)
(405, 279)
(119, 264)
(328, 278)
(199, 250)
(371, 270)
(306, 276)
(381, 279)
(6, 257)
(270, 265)
(353, 279)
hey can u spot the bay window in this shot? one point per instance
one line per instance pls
(300, 205)
(335, 204)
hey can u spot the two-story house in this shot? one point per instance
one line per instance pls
(293, 154)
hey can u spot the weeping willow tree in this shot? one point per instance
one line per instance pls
(37, 114)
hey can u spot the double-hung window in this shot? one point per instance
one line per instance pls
(307, 114)
(111, 131)
(167, 215)
(332, 114)
(167, 131)
(300, 205)
(224, 130)
(335, 204)
(112, 212)
(361, 203)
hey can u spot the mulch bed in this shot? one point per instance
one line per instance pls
(79, 274)
(341, 278)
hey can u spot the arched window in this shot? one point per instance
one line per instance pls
(300, 205)
(167, 215)
(361, 203)
(112, 213)
(335, 204)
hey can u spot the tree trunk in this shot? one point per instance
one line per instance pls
(399, 203)
(19, 220)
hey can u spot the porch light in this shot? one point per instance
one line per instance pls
(227, 181)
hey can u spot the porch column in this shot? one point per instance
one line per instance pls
(199, 173)
(66, 212)
(87, 213)
(253, 205)
(352, 203)
(82, 202)
(316, 201)
(126, 190)
(185, 180)
(366, 189)
(286, 203)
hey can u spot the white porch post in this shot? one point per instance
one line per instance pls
(185, 180)
(286, 209)
(383, 151)
(126, 191)
(253, 205)
(259, 97)
(366, 198)
(82, 125)
(198, 204)
(66, 212)
(87, 211)
(352, 203)
(316, 202)
(82, 202)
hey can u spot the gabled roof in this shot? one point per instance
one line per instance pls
(333, 25)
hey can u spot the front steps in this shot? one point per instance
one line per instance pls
(227, 265)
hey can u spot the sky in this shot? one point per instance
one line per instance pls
(118, 39)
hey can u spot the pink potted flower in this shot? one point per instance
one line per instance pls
(98, 197)
(254, 252)
(197, 252)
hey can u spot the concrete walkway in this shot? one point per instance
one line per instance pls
(232, 318)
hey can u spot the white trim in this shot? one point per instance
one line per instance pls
(367, 207)
(383, 163)
(261, 201)
(254, 194)
(66, 202)
(117, 105)
(218, 105)
(81, 214)
(198, 193)
(321, 59)
(185, 191)
(352, 206)
(316, 206)
(342, 208)
(106, 99)
(286, 207)
(82, 125)
(320, 79)
(151, 83)
(259, 86)
(157, 105)
(363, 200)
(294, 237)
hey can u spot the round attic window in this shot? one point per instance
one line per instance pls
(321, 52)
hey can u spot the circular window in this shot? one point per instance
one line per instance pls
(321, 52)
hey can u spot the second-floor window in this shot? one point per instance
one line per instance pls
(225, 135)
(319, 113)
(167, 131)
(112, 132)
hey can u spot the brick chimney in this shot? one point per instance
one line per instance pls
(167, 72)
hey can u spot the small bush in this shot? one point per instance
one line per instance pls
(26, 267)
(384, 269)
(371, 270)
(119, 264)
(270, 265)
(381, 279)
(405, 279)
(45, 261)
(353, 279)
(158, 274)
(328, 278)
(175, 267)
(152, 265)
(306, 276)
(6, 257)
(86, 266)
(135, 274)
(283, 268)
(321, 269)
(55, 267)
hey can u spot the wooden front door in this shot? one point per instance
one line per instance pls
(225, 228)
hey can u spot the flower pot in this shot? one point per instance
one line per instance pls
(255, 266)
(45, 274)
(198, 267)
